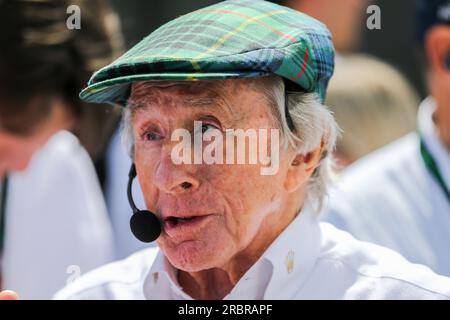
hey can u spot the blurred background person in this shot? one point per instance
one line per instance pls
(373, 104)
(54, 223)
(399, 196)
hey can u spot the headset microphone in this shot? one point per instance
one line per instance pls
(144, 224)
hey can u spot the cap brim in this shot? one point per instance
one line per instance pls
(117, 90)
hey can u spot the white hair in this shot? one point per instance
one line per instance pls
(312, 122)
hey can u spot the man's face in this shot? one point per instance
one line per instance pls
(437, 45)
(16, 150)
(443, 110)
(226, 204)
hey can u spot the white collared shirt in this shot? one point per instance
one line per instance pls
(390, 198)
(309, 260)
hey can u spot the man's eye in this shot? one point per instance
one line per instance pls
(207, 126)
(151, 136)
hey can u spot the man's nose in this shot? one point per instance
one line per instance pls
(175, 178)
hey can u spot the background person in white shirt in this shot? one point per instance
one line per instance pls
(54, 221)
(227, 231)
(399, 196)
(57, 227)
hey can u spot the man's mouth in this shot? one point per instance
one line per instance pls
(173, 221)
(174, 225)
(177, 220)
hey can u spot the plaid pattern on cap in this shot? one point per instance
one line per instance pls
(232, 39)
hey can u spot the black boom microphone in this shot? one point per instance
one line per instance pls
(144, 224)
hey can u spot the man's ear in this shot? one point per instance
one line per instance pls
(302, 166)
(437, 48)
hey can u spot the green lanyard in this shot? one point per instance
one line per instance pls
(432, 167)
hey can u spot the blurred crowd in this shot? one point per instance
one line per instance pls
(63, 170)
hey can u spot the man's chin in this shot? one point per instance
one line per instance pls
(192, 256)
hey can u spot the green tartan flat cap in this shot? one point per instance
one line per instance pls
(231, 39)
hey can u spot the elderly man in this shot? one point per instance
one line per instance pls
(229, 230)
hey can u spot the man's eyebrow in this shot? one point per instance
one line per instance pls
(212, 101)
(140, 103)
(203, 101)
(144, 103)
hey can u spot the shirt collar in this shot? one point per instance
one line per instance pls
(161, 281)
(277, 274)
(293, 254)
(434, 144)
